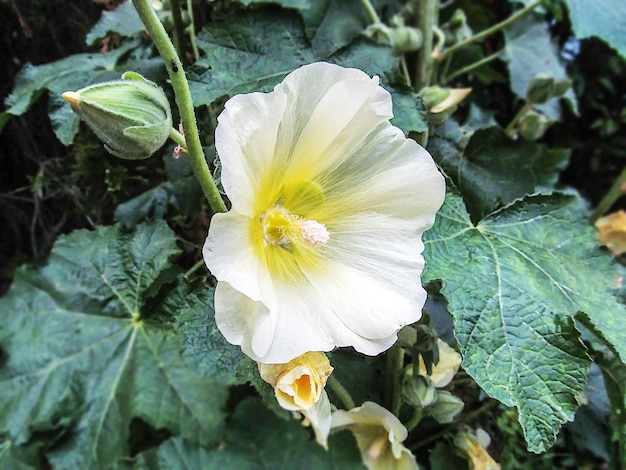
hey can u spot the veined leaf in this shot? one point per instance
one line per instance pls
(491, 170)
(252, 51)
(513, 282)
(124, 20)
(529, 51)
(601, 18)
(333, 24)
(254, 439)
(86, 353)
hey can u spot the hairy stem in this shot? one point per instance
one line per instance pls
(427, 18)
(617, 190)
(177, 19)
(341, 392)
(470, 67)
(451, 427)
(183, 99)
(511, 127)
(178, 138)
(192, 31)
(494, 29)
(371, 11)
(393, 378)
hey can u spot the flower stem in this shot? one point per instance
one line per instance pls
(473, 66)
(177, 19)
(178, 138)
(341, 392)
(494, 29)
(464, 419)
(183, 99)
(192, 31)
(371, 11)
(617, 190)
(415, 419)
(193, 269)
(393, 378)
(427, 18)
(511, 127)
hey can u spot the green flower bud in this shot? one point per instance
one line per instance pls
(433, 95)
(406, 39)
(446, 407)
(131, 116)
(407, 337)
(419, 391)
(540, 89)
(401, 38)
(561, 86)
(533, 125)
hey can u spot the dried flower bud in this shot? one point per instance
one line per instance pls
(131, 116)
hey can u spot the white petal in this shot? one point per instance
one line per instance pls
(229, 253)
(330, 111)
(243, 321)
(245, 140)
(320, 417)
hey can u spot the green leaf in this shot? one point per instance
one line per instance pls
(257, 439)
(86, 352)
(530, 51)
(205, 348)
(17, 458)
(513, 282)
(124, 21)
(333, 24)
(601, 18)
(409, 113)
(252, 51)
(72, 73)
(492, 170)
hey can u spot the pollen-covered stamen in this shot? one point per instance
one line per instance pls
(314, 233)
(282, 228)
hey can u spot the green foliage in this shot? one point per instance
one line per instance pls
(69, 74)
(124, 21)
(102, 357)
(529, 52)
(491, 170)
(601, 18)
(513, 312)
(254, 439)
(107, 337)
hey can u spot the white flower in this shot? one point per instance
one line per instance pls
(379, 435)
(322, 246)
(299, 387)
(444, 371)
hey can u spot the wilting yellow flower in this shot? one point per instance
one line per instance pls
(379, 435)
(612, 232)
(474, 446)
(299, 386)
(446, 368)
(322, 246)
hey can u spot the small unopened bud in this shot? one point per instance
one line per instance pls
(533, 125)
(446, 407)
(401, 38)
(540, 89)
(419, 391)
(131, 116)
(561, 86)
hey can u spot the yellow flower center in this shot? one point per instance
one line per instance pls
(282, 228)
